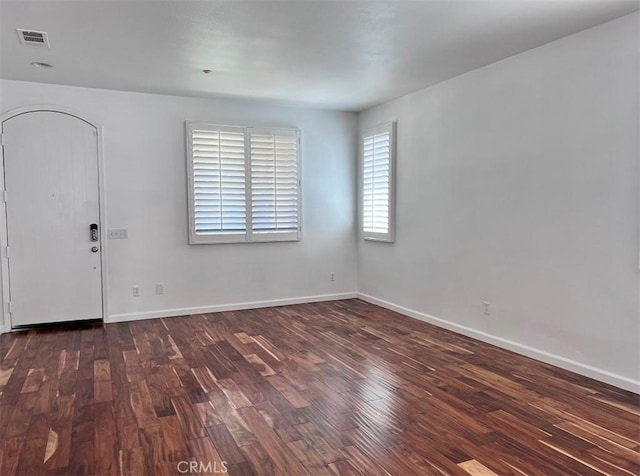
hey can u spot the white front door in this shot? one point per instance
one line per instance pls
(51, 178)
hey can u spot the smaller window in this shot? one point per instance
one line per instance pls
(378, 177)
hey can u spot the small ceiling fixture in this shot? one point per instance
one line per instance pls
(37, 64)
(206, 71)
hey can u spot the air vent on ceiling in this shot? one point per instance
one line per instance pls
(32, 37)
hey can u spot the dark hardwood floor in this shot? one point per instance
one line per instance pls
(331, 388)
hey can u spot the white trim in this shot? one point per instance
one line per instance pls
(248, 189)
(1, 329)
(104, 234)
(185, 311)
(4, 289)
(4, 266)
(547, 357)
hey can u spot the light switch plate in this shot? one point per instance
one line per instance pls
(119, 234)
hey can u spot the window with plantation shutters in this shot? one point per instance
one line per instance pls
(243, 184)
(378, 168)
(218, 182)
(274, 183)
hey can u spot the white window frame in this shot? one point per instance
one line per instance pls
(248, 236)
(390, 236)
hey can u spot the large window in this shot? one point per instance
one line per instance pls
(244, 184)
(378, 176)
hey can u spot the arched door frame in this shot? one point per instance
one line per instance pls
(5, 316)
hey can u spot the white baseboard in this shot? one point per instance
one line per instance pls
(137, 316)
(562, 362)
(1, 329)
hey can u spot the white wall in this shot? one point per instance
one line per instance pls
(144, 155)
(517, 184)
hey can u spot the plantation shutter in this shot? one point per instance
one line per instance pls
(377, 183)
(218, 179)
(275, 184)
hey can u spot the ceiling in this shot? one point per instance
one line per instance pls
(346, 55)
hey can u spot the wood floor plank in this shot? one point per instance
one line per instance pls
(260, 460)
(475, 468)
(131, 461)
(188, 418)
(272, 444)
(225, 444)
(340, 387)
(10, 450)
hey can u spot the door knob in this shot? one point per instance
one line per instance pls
(94, 249)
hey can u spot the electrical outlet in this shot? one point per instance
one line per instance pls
(332, 276)
(487, 308)
(159, 288)
(136, 291)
